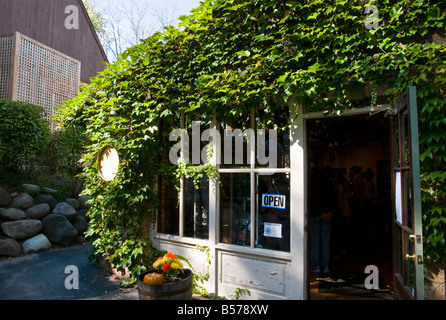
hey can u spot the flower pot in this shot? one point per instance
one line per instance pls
(176, 290)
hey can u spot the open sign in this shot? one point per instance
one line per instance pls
(276, 201)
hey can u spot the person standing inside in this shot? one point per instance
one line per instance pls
(344, 193)
(323, 206)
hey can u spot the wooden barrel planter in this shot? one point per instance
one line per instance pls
(177, 290)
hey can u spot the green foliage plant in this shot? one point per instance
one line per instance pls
(230, 56)
(23, 135)
(63, 152)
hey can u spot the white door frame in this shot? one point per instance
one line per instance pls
(299, 165)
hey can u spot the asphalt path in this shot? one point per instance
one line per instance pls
(59, 274)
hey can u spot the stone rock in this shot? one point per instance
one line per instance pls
(81, 239)
(66, 210)
(9, 247)
(73, 202)
(14, 194)
(21, 229)
(80, 224)
(46, 198)
(50, 191)
(23, 201)
(58, 229)
(36, 244)
(83, 213)
(11, 214)
(38, 211)
(83, 202)
(5, 198)
(30, 188)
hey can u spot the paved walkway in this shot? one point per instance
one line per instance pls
(42, 276)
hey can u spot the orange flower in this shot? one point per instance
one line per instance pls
(165, 267)
(170, 255)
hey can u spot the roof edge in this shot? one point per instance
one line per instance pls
(81, 3)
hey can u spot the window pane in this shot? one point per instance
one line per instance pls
(196, 148)
(168, 213)
(235, 207)
(235, 149)
(273, 212)
(196, 209)
(405, 130)
(270, 154)
(266, 149)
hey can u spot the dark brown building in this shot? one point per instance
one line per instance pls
(48, 48)
(44, 21)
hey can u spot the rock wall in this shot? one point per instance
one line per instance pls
(35, 220)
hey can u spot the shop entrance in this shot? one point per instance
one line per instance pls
(349, 175)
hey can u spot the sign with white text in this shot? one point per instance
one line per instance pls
(276, 201)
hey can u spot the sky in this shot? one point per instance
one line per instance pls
(184, 6)
(150, 23)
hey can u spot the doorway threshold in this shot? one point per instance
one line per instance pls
(320, 283)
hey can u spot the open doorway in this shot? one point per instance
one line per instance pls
(351, 154)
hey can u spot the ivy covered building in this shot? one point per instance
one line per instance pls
(341, 94)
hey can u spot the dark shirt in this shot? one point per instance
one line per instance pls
(323, 195)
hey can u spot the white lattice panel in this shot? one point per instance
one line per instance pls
(6, 50)
(42, 76)
(45, 77)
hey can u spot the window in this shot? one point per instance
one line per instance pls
(185, 212)
(273, 211)
(253, 196)
(235, 208)
(168, 213)
(196, 209)
(254, 191)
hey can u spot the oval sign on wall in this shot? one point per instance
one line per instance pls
(108, 163)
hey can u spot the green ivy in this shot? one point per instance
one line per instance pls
(23, 135)
(230, 56)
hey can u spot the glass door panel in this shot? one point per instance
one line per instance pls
(408, 246)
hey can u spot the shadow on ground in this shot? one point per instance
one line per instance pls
(41, 276)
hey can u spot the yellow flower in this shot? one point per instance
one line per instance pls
(180, 264)
(157, 263)
(174, 265)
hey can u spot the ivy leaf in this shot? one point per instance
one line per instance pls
(313, 68)
(434, 12)
(193, 107)
(282, 78)
(395, 13)
(146, 60)
(313, 16)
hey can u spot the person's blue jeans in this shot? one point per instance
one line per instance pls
(320, 231)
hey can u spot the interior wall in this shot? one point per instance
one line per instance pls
(365, 157)
(345, 142)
